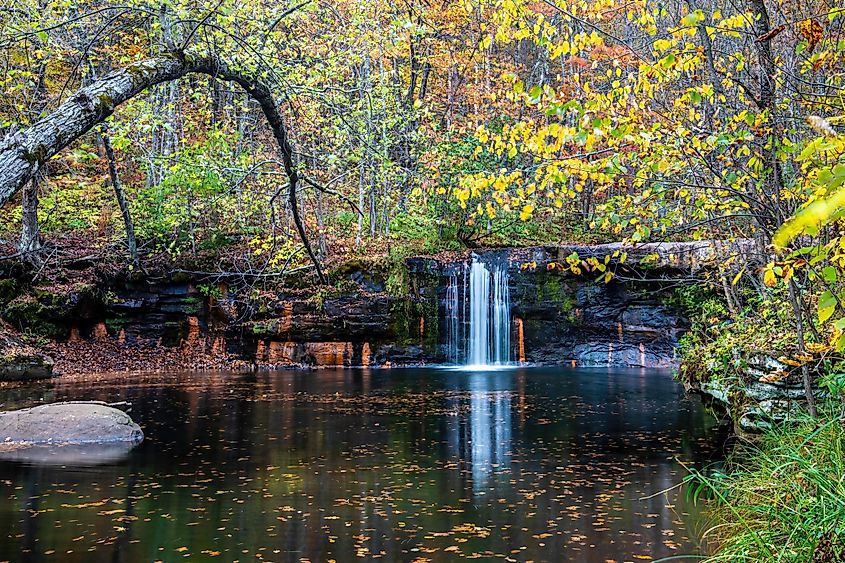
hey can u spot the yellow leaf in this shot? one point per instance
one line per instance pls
(769, 278)
(809, 219)
(527, 210)
(812, 31)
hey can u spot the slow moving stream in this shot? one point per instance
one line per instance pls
(345, 465)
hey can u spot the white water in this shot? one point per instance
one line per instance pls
(501, 302)
(454, 314)
(486, 307)
(479, 314)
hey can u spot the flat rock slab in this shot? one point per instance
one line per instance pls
(69, 423)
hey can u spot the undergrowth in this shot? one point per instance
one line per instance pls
(718, 340)
(782, 498)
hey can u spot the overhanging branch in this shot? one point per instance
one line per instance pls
(23, 153)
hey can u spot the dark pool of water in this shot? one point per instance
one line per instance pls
(401, 465)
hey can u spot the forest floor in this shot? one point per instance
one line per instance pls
(99, 355)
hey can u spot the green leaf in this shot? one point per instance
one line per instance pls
(827, 306)
(829, 274)
(809, 219)
(693, 18)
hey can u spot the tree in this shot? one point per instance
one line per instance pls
(23, 153)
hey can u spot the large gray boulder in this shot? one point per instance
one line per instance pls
(69, 423)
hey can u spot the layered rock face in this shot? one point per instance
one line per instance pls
(752, 399)
(592, 324)
(559, 317)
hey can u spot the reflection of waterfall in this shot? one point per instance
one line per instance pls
(479, 296)
(490, 429)
(481, 435)
(490, 424)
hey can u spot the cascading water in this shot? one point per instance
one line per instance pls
(482, 301)
(454, 314)
(479, 314)
(501, 302)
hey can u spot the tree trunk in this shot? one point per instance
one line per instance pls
(24, 152)
(773, 214)
(30, 244)
(119, 194)
(802, 349)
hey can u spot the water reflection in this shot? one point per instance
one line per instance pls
(406, 465)
(70, 455)
(489, 426)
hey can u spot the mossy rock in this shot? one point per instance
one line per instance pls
(19, 361)
(29, 314)
(9, 289)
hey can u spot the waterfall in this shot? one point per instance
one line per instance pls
(479, 314)
(454, 313)
(501, 301)
(478, 296)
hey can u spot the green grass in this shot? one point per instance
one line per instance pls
(783, 498)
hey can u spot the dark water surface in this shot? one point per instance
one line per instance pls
(354, 465)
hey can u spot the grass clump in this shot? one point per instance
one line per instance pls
(783, 498)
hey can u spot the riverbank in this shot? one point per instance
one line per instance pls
(780, 494)
(782, 498)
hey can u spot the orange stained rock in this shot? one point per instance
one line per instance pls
(193, 335)
(365, 355)
(280, 353)
(100, 331)
(331, 354)
(520, 340)
(286, 318)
